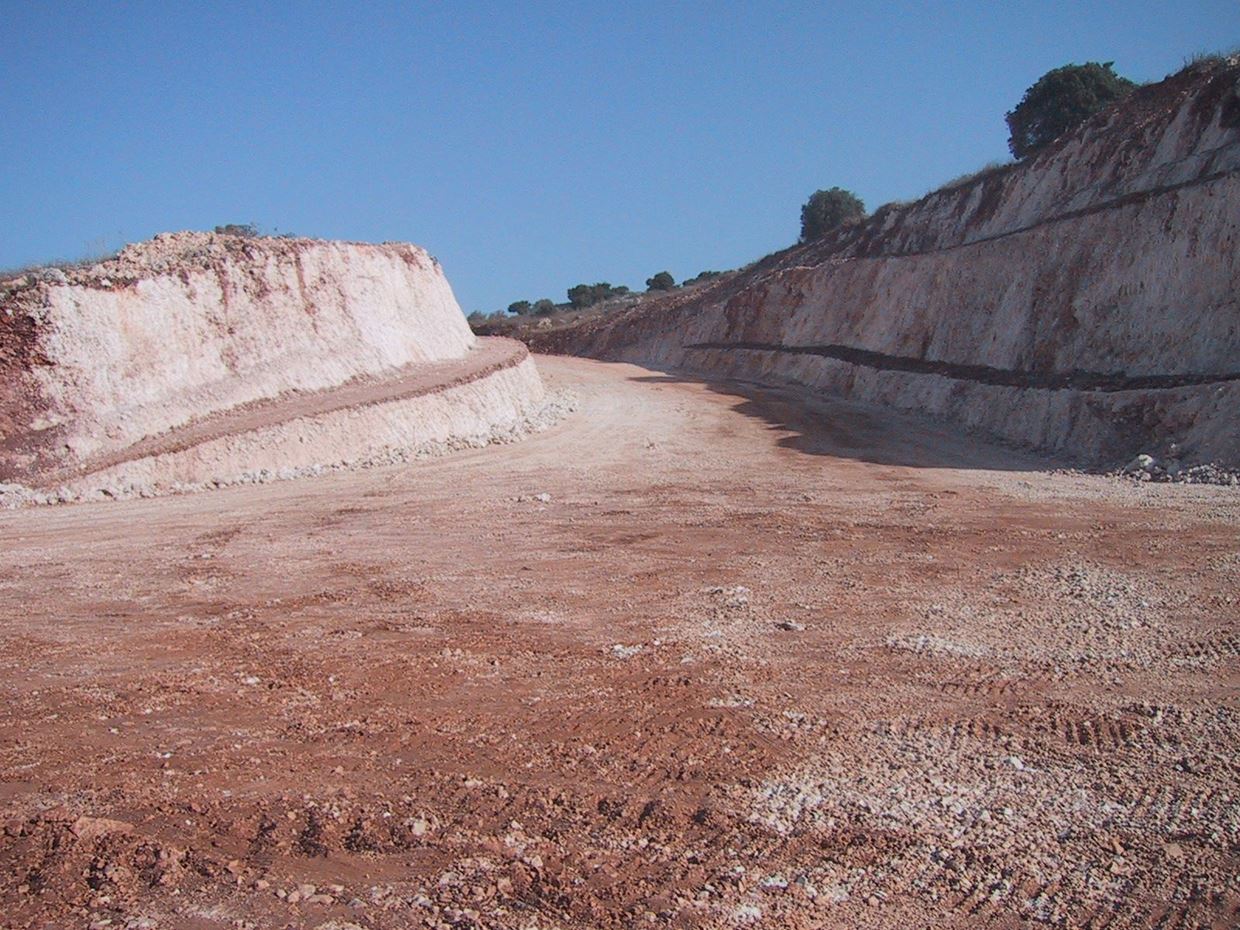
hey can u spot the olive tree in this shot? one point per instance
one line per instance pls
(825, 210)
(663, 281)
(1060, 100)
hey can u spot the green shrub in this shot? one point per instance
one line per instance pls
(702, 276)
(587, 295)
(520, 307)
(825, 210)
(1061, 100)
(663, 281)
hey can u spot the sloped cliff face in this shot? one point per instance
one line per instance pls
(188, 326)
(1086, 301)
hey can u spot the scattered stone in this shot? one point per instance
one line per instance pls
(737, 596)
(1143, 464)
(1146, 467)
(747, 913)
(543, 498)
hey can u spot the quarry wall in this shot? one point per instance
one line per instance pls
(188, 327)
(495, 402)
(1086, 301)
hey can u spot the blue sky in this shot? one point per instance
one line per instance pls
(529, 146)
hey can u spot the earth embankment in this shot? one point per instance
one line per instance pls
(1083, 301)
(199, 358)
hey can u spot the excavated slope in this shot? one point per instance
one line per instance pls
(199, 357)
(1086, 301)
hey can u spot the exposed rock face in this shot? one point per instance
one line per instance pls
(1086, 301)
(192, 337)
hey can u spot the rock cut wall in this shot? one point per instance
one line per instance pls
(183, 329)
(1085, 301)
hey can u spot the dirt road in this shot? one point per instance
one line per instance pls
(698, 656)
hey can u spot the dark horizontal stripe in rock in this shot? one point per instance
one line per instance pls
(982, 374)
(1115, 203)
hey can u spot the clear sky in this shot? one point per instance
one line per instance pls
(530, 146)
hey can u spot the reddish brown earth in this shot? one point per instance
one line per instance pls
(698, 656)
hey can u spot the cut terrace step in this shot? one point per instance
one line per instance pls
(492, 387)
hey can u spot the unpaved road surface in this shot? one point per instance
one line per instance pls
(698, 656)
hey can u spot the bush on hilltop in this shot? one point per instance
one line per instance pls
(663, 281)
(825, 210)
(1060, 100)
